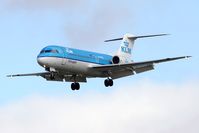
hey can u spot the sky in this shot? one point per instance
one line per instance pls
(164, 100)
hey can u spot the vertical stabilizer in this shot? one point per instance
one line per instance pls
(125, 51)
(126, 46)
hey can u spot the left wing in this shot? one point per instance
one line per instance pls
(56, 76)
(31, 74)
(121, 70)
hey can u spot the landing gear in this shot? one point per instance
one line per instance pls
(108, 82)
(75, 86)
(52, 76)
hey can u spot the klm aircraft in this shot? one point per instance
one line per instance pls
(74, 65)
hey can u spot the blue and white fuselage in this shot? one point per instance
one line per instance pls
(70, 60)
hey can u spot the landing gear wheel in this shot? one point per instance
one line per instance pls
(108, 82)
(75, 86)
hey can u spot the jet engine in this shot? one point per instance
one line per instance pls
(116, 60)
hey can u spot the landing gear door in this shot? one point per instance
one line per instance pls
(64, 53)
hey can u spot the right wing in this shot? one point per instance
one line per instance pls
(121, 70)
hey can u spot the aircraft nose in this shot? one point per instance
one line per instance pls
(41, 61)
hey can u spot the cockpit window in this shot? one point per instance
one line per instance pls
(43, 51)
(54, 51)
(49, 51)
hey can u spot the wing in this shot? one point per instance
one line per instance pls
(56, 76)
(30, 74)
(121, 70)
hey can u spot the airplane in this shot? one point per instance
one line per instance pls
(73, 65)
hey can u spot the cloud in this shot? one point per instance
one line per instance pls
(99, 23)
(144, 107)
(87, 22)
(42, 4)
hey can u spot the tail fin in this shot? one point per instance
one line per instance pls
(126, 46)
(125, 50)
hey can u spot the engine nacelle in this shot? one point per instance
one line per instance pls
(116, 60)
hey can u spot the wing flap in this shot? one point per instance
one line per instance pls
(144, 68)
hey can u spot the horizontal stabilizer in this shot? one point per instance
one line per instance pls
(135, 37)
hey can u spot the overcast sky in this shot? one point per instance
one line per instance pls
(164, 100)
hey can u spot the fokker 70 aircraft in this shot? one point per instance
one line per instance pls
(74, 65)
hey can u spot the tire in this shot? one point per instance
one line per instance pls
(106, 82)
(73, 86)
(77, 86)
(110, 82)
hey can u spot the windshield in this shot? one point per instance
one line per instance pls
(49, 51)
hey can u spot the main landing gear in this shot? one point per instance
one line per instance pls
(75, 86)
(108, 82)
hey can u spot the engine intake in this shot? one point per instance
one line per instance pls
(115, 60)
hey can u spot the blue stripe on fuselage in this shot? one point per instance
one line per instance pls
(76, 54)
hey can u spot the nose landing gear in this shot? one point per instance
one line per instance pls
(108, 82)
(52, 76)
